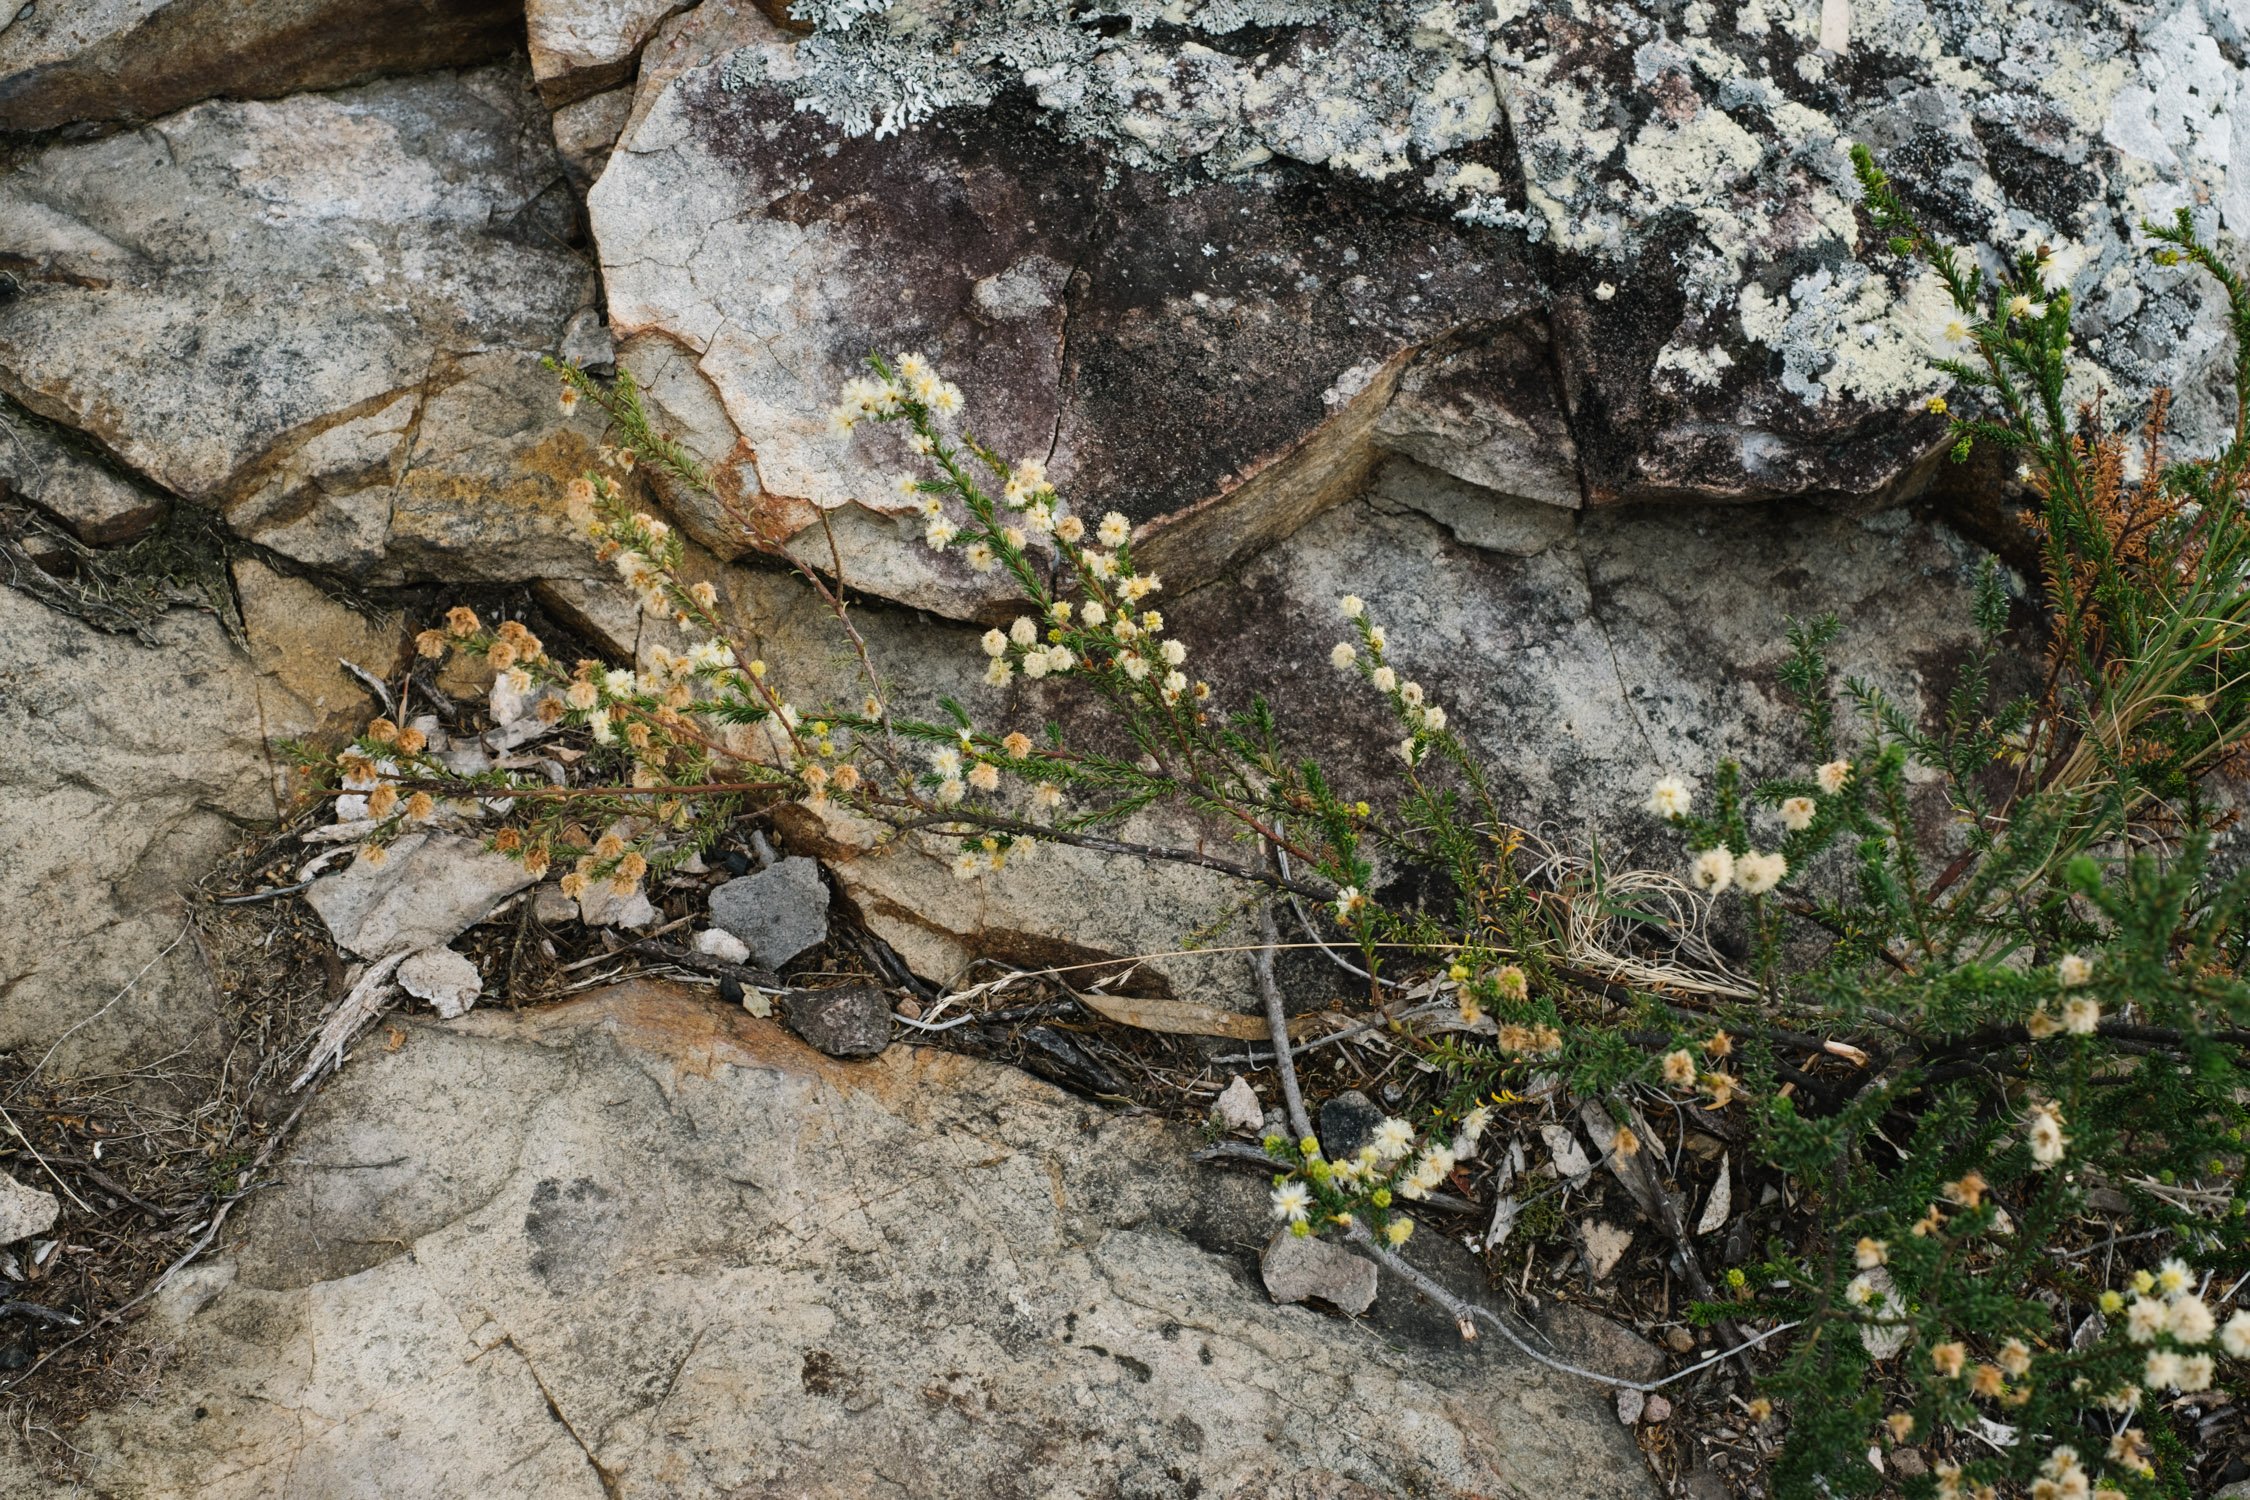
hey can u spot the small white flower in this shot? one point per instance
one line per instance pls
(995, 643)
(1669, 798)
(1048, 796)
(2174, 1277)
(1060, 658)
(1433, 719)
(2021, 306)
(1341, 656)
(940, 533)
(979, 555)
(1832, 776)
(2196, 1372)
(1384, 679)
(2191, 1322)
(2235, 1337)
(1797, 813)
(1092, 613)
(1115, 530)
(1394, 1138)
(999, 672)
(951, 790)
(946, 761)
(1759, 873)
(1352, 606)
(1173, 652)
(2073, 970)
(2081, 1016)
(1712, 870)
(2046, 1136)
(1291, 1202)
(1860, 1291)
(2145, 1319)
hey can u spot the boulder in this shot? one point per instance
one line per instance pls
(1068, 290)
(661, 1247)
(137, 59)
(1209, 272)
(321, 314)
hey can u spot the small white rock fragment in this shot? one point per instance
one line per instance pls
(717, 942)
(1571, 1160)
(1656, 1410)
(1237, 1108)
(1605, 1246)
(24, 1211)
(1630, 1404)
(443, 977)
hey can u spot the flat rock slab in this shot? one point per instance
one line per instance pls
(322, 314)
(136, 59)
(664, 1249)
(429, 889)
(780, 912)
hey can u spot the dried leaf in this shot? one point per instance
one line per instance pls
(1186, 1018)
(1721, 1201)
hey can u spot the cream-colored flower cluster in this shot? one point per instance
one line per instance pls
(1424, 720)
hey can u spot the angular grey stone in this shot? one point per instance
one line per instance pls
(449, 981)
(1347, 1123)
(1237, 1108)
(24, 1211)
(781, 912)
(842, 1023)
(1307, 1268)
(429, 889)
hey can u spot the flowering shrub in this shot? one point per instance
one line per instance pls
(2010, 920)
